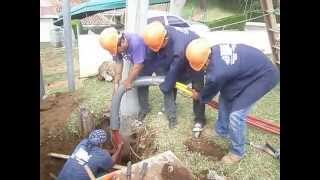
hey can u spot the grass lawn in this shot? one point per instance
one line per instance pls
(216, 9)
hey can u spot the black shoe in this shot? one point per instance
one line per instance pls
(141, 116)
(173, 124)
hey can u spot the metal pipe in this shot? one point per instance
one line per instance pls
(116, 99)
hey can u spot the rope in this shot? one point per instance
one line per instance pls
(134, 152)
(223, 26)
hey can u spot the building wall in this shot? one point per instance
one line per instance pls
(91, 54)
(46, 25)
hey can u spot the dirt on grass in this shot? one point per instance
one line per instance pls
(207, 148)
(172, 172)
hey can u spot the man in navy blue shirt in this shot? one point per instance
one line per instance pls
(89, 152)
(242, 74)
(166, 56)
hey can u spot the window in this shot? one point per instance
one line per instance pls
(174, 21)
(158, 18)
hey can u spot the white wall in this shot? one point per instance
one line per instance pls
(91, 55)
(46, 26)
(258, 39)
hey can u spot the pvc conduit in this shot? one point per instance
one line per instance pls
(116, 99)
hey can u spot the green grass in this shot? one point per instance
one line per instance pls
(96, 95)
(216, 9)
(256, 165)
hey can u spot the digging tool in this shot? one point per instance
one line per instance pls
(268, 149)
(253, 121)
(129, 170)
(143, 170)
(276, 152)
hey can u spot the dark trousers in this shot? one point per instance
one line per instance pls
(169, 98)
(198, 108)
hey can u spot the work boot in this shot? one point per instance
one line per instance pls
(172, 123)
(230, 159)
(142, 115)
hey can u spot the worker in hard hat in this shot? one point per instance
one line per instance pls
(128, 46)
(166, 56)
(242, 74)
(89, 153)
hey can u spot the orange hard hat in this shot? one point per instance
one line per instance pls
(109, 40)
(197, 53)
(153, 35)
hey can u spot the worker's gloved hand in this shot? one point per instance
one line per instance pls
(116, 138)
(163, 87)
(127, 84)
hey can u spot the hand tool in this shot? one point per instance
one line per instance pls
(143, 170)
(129, 170)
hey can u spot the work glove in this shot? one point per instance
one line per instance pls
(116, 138)
(164, 88)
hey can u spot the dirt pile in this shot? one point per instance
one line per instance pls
(205, 147)
(172, 172)
(54, 114)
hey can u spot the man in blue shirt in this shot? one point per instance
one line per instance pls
(166, 56)
(242, 74)
(89, 152)
(128, 46)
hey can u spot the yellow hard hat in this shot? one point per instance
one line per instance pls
(197, 53)
(153, 35)
(109, 38)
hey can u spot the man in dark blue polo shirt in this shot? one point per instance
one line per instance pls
(242, 74)
(166, 56)
(89, 152)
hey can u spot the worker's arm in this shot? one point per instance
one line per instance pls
(133, 74)
(118, 75)
(176, 67)
(211, 89)
(116, 155)
(138, 56)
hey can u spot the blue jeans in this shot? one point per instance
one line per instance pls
(233, 126)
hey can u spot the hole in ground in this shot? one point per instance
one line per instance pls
(207, 148)
(141, 143)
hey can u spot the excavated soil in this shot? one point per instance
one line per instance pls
(207, 148)
(55, 111)
(175, 173)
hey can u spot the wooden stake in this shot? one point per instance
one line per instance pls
(63, 156)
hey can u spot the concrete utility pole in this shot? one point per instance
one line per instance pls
(176, 6)
(68, 44)
(136, 19)
(42, 89)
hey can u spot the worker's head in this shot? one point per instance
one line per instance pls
(155, 36)
(97, 137)
(198, 52)
(111, 41)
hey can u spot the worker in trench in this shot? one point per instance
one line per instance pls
(166, 56)
(242, 74)
(89, 153)
(124, 46)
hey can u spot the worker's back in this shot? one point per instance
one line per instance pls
(243, 73)
(99, 162)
